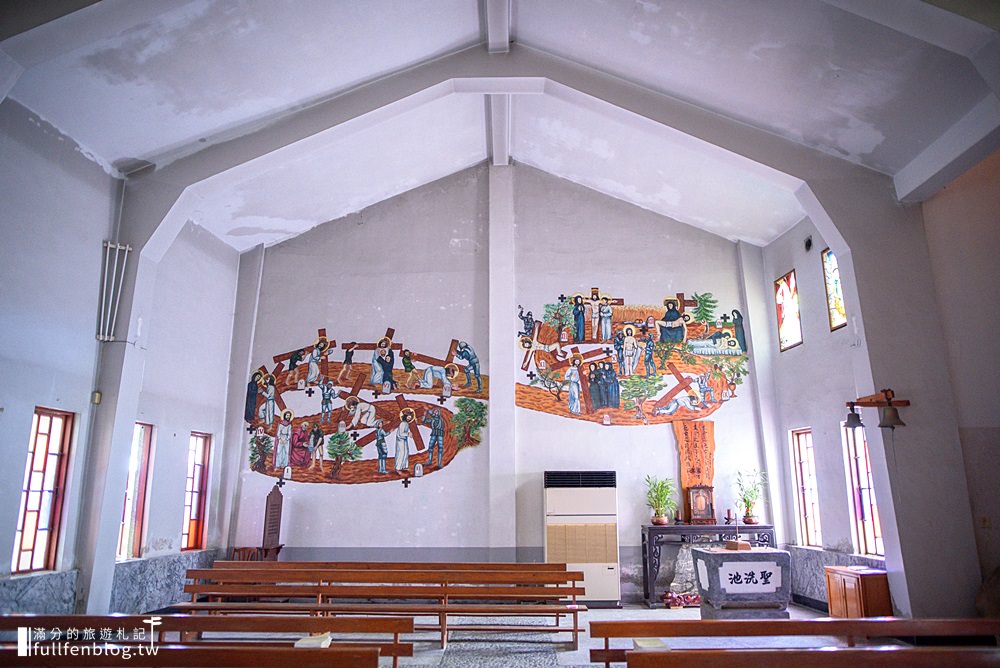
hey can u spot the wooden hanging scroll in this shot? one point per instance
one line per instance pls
(696, 447)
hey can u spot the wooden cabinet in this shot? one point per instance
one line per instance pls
(856, 591)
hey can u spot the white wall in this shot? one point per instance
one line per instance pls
(185, 375)
(417, 263)
(963, 235)
(56, 211)
(570, 239)
(812, 382)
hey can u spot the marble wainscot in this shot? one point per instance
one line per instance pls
(145, 585)
(39, 593)
(743, 584)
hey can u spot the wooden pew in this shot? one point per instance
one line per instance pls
(852, 630)
(188, 629)
(396, 565)
(235, 656)
(441, 593)
(855, 657)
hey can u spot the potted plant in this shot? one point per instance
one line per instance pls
(660, 498)
(749, 485)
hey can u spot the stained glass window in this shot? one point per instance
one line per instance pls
(834, 291)
(786, 301)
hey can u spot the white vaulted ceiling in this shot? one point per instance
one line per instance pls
(903, 88)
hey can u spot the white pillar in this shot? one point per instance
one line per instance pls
(503, 360)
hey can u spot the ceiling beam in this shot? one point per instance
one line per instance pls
(10, 72)
(499, 123)
(960, 148)
(497, 26)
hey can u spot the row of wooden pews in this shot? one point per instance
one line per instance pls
(647, 634)
(439, 590)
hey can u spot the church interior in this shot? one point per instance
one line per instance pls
(474, 295)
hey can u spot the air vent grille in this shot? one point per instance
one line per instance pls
(580, 479)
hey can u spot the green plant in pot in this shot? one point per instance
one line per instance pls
(660, 498)
(749, 486)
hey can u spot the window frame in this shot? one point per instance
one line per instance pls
(193, 529)
(808, 523)
(54, 526)
(138, 515)
(864, 499)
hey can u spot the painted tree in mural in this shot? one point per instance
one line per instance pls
(734, 369)
(552, 381)
(341, 448)
(471, 418)
(704, 312)
(663, 350)
(261, 447)
(559, 315)
(638, 389)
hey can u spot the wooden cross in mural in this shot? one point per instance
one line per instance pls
(684, 303)
(427, 359)
(264, 373)
(324, 360)
(531, 346)
(682, 384)
(390, 423)
(389, 333)
(589, 356)
(595, 303)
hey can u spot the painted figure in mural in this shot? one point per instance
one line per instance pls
(283, 441)
(412, 375)
(631, 349)
(682, 400)
(647, 360)
(299, 455)
(527, 319)
(672, 325)
(315, 356)
(445, 375)
(362, 412)
(380, 446)
(327, 392)
(595, 308)
(619, 345)
(436, 422)
(598, 395)
(573, 378)
(316, 448)
(348, 365)
(578, 319)
(465, 352)
(401, 457)
(613, 387)
(250, 408)
(387, 359)
(266, 410)
(704, 389)
(294, 362)
(739, 335)
(605, 313)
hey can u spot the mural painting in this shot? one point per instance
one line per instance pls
(381, 412)
(593, 357)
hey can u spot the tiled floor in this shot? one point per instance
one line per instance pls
(479, 650)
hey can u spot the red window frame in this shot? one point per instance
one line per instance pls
(193, 531)
(803, 458)
(867, 524)
(133, 523)
(44, 481)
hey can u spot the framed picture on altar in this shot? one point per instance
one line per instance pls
(701, 504)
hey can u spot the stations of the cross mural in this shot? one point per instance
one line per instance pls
(380, 413)
(595, 357)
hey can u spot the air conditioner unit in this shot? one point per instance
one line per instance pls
(581, 529)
